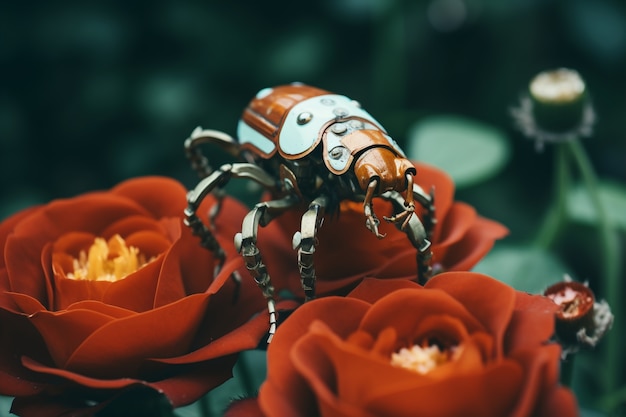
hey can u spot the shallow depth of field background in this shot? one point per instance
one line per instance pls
(92, 93)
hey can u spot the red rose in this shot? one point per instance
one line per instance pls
(109, 290)
(463, 345)
(348, 252)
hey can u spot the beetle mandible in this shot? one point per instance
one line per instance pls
(307, 145)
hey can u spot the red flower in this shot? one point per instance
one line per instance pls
(465, 344)
(109, 290)
(348, 252)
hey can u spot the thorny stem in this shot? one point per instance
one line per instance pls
(610, 261)
(553, 221)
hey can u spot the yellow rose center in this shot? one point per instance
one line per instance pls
(110, 260)
(421, 359)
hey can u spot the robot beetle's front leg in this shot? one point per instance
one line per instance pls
(305, 242)
(418, 236)
(425, 200)
(245, 243)
(428, 202)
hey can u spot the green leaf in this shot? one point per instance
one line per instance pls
(526, 269)
(613, 197)
(469, 151)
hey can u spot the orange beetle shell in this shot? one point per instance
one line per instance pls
(292, 120)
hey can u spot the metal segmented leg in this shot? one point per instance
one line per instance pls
(305, 242)
(245, 242)
(428, 202)
(200, 136)
(418, 236)
(208, 185)
(194, 199)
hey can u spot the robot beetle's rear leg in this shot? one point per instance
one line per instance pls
(219, 178)
(305, 242)
(417, 234)
(200, 163)
(245, 243)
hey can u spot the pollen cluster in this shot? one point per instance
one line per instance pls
(110, 260)
(420, 359)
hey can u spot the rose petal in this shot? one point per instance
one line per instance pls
(180, 389)
(106, 309)
(149, 243)
(64, 331)
(476, 243)
(170, 200)
(490, 393)
(372, 289)
(430, 177)
(285, 392)
(132, 224)
(459, 220)
(542, 372)
(14, 379)
(245, 337)
(120, 346)
(21, 303)
(391, 311)
(109, 383)
(136, 291)
(363, 382)
(94, 212)
(492, 304)
(69, 291)
(558, 401)
(7, 225)
(532, 323)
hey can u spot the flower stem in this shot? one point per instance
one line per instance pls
(245, 375)
(205, 406)
(553, 220)
(610, 262)
(567, 370)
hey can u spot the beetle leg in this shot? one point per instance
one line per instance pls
(212, 184)
(417, 235)
(371, 221)
(199, 162)
(245, 243)
(305, 242)
(428, 202)
(198, 228)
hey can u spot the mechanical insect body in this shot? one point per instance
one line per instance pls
(307, 145)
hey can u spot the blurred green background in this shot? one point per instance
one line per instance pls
(95, 92)
(92, 93)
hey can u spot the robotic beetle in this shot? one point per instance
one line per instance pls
(304, 144)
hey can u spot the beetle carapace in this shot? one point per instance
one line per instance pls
(304, 125)
(305, 144)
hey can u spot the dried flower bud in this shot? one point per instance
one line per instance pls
(580, 320)
(558, 99)
(556, 108)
